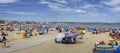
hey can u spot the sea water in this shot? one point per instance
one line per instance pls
(90, 25)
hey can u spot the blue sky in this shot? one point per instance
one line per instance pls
(61, 10)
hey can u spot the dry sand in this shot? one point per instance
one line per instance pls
(83, 46)
(16, 39)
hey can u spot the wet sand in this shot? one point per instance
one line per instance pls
(85, 45)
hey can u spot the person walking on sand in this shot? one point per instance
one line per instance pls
(3, 38)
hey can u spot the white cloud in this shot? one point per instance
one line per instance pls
(66, 9)
(20, 13)
(74, 0)
(88, 6)
(80, 11)
(8, 1)
(49, 3)
(44, 2)
(61, 7)
(61, 1)
(112, 2)
(58, 8)
(115, 4)
(116, 9)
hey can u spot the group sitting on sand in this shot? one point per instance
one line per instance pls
(32, 31)
(76, 30)
(100, 43)
(115, 34)
(114, 43)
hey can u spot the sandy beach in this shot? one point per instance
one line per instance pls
(15, 39)
(59, 26)
(85, 45)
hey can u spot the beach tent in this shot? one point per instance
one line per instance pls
(90, 30)
(59, 38)
(66, 36)
(70, 38)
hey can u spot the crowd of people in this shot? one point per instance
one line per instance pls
(115, 33)
(72, 29)
(27, 30)
(98, 31)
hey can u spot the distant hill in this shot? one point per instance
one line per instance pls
(86, 22)
(29, 22)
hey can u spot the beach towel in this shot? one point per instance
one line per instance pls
(104, 49)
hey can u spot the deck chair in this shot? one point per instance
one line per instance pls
(104, 49)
